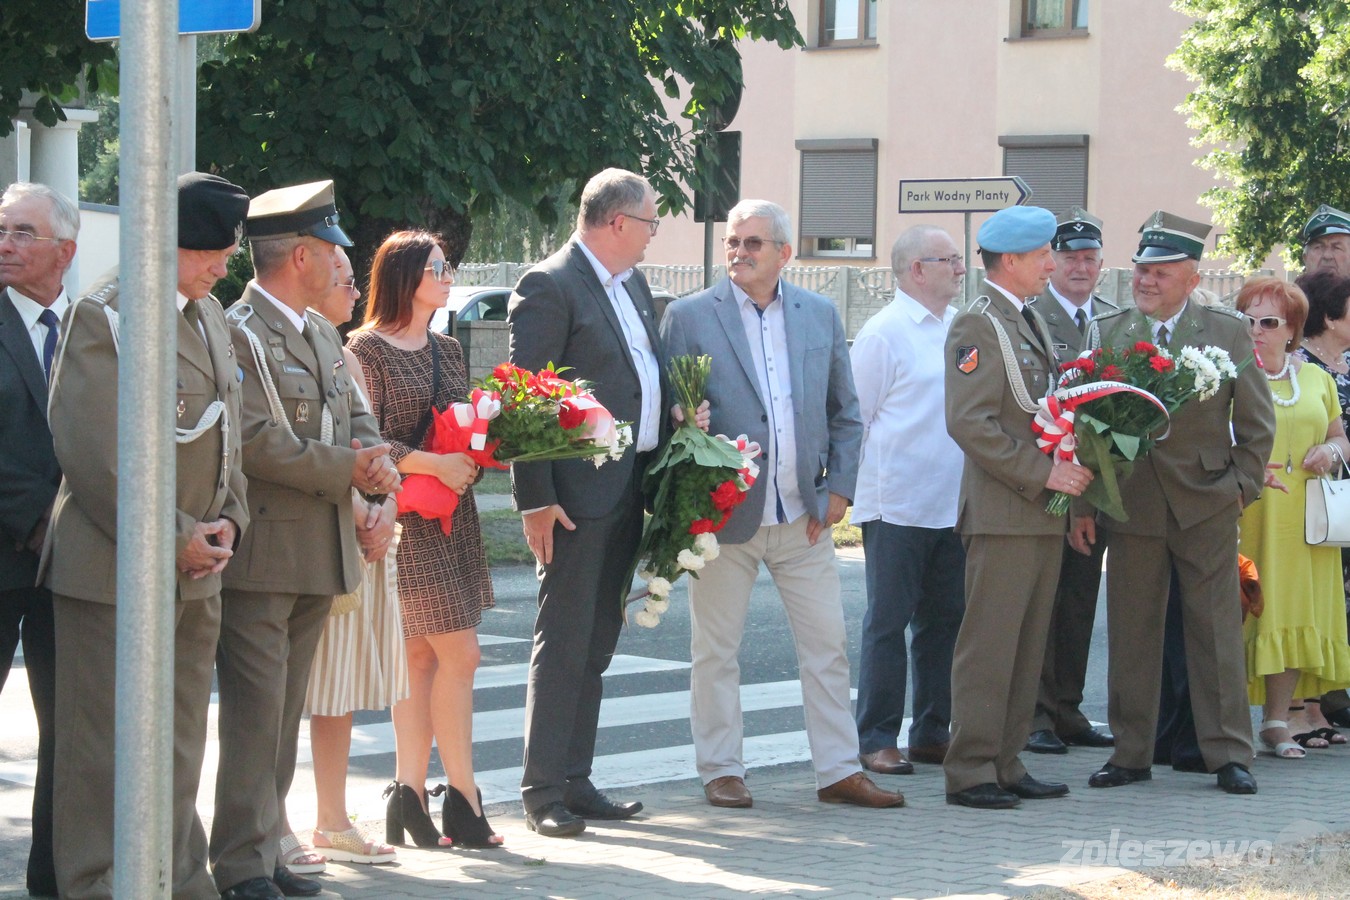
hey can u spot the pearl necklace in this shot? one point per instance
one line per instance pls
(1293, 383)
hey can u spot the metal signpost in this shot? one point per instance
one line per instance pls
(963, 195)
(158, 99)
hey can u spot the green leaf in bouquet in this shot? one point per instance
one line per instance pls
(1103, 492)
(1127, 444)
(1082, 417)
(709, 451)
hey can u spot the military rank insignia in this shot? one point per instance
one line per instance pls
(302, 412)
(967, 359)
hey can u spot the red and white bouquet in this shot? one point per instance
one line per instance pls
(1111, 406)
(515, 415)
(697, 481)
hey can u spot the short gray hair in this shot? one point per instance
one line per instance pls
(780, 226)
(270, 254)
(912, 244)
(65, 215)
(609, 193)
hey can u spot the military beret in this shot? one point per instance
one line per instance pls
(1017, 229)
(302, 209)
(1078, 230)
(1327, 220)
(1170, 238)
(211, 212)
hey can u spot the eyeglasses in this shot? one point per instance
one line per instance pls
(653, 224)
(1266, 323)
(23, 238)
(350, 286)
(751, 244)
(954, 260)
(442, 270)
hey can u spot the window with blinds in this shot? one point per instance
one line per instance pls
(838, 197)
(1055, 167)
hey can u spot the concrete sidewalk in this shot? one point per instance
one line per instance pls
(790, 844)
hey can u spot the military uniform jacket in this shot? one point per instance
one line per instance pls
(1068, 340)
(83, 414)
(303, 539)
(1003, 482)
(1201, 467)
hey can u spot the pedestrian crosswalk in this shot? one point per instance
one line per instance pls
(629, 718)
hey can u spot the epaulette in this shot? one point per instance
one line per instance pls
(103, 294)
(980, 304)
(1226, 310)
(1101, 317)
(239, 313)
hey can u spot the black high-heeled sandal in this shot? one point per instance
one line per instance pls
(405, 812)
(463, 826)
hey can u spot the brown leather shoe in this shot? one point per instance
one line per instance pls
(860, 790)
(887, 761)
(729, 792)
(934, 754)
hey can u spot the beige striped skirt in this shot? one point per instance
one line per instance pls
(361, 662)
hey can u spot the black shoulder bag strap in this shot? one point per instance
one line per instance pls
(425, 422)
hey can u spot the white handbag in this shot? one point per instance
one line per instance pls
(1326, 521)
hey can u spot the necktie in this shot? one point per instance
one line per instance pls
(193, 318)
(49, 319)
(1162, 336)
(1031, 321)
(1080, 319)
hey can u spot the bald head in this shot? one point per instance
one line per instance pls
(928, 266)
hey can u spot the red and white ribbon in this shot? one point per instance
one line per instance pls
(1053, 426)
(482, 408)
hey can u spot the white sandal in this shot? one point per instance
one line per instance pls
(353, 846)
(1284, 749)
(300, 858)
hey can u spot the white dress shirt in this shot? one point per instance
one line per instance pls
(29, 310)
(1069, 307)
(639, 346)
(910, 471)
(767, 335)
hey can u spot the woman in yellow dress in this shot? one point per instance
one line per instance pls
(1297, 647)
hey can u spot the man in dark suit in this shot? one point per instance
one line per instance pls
(587, 308)
(1067, 304)
(1000, 363)
(781, 376)
(38, 227)
(1183, 501)
(308, 440)
(210, 515)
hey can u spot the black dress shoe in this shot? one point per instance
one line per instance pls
(293, 885)
(1236, 779)
(984, 796)
(253, 889)
(1090, 737)
(1339, 717)
(1045, 741)
(1116, 776)
(553, 820)
(598, 806)
(1031, 789)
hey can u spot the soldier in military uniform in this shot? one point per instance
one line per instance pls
(1067, 304)
(211, 514)
(1000, 364)
(1183, 500)
(308, 439)
(1326, 242)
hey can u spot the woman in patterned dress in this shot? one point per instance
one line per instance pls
(443, 580)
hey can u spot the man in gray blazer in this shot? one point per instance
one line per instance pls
(781, 376)
(589, 309)
(38, 227)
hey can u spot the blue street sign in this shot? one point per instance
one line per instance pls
(103, 17)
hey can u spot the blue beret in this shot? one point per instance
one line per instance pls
(1017, 229)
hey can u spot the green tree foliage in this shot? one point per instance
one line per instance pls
(43, 52)
(434, 112)
(1273, 96)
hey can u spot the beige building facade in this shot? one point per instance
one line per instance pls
(1074, 96)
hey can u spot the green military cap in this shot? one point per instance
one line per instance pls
(1170, 238)
(302, 209)
(1077, 229)
(1327, 220)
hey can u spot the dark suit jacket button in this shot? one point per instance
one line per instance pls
(302, 388)
(764, 418)
(262, 510)
(332, 393)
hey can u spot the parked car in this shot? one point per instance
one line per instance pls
(480, 303)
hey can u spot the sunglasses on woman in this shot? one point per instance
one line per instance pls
(442, 270)
(1266, 323)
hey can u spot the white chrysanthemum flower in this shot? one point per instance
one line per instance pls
(646, 574)
(658, 605)
(1221, 360)
(647, 619)
(706, 545)
(690, 560)
(659, 587)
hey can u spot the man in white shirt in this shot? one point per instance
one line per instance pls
(915, 560)
(38, 227)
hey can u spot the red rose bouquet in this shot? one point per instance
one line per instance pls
(1113, 404)
(697, 481)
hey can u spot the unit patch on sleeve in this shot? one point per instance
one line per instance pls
(967, 358)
